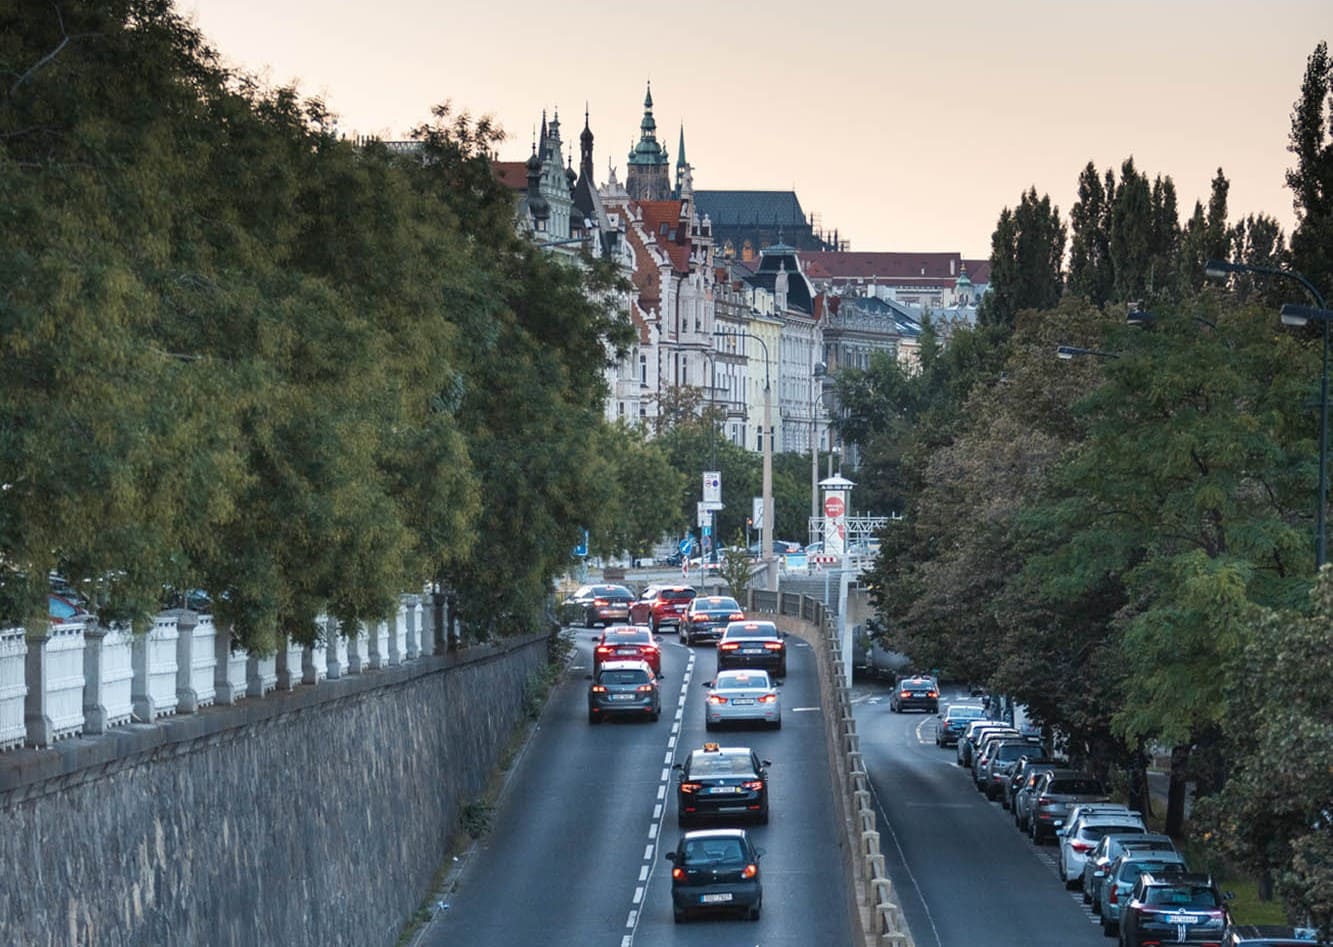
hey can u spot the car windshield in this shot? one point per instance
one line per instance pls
(627, 676)
(1183, 896)
(721, 764)
(714, 851)
(1075, 787)
(728, 679)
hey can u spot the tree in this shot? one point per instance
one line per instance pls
(1027, 253)
(1091, 273)
(1311, 181)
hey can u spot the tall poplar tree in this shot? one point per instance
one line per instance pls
(1027, 259)
(1311, 181)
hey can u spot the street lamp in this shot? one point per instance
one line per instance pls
(819, 373)
(766, 533)
(1073, 351)
(1299, 316)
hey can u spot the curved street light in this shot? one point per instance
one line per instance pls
(766, 533)
(1299, 316)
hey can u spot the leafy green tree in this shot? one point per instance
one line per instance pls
(1027, 256)
(1311, 181)
(1091, 273)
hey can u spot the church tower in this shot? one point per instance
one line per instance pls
(648, 177)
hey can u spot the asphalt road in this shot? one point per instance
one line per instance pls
(962, 872)
(574, 855)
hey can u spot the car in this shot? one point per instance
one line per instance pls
(999, 764)
(1058, 791)
(1110, 847)
(628, 643)
(1024, 793)
(954, 719)
(742, 695)
(60, 608)
(973, 735)
(753, 644)
(662, 605)
(984, 747)
(1121, 876)
(1175, 908)
(624, 688)
(1269, 935)
(707, 615)
(715, 870)
(729, 782)
(1085, 828)
(1018, 773)
(915, 693)
(602, 604)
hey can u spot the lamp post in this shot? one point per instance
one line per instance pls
(1299, 316)
(819, 373)
(1073, 351)
(766, 531)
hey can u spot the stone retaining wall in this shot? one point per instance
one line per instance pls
(318, 816)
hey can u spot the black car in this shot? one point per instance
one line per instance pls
(715, 870)
(753, 644)
(1269, 935)
(624, 688)
(707, 616)
(954, 720)
(726, 781)
(1176, 908)
(915, 693)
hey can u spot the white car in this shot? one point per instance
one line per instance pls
(1079, 836)
(742, 694)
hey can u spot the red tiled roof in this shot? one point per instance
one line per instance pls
(888, 267)
(978, 271)
(645, 277)
(661, 220)
(512, 174)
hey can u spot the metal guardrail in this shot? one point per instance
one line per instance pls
(881, 916)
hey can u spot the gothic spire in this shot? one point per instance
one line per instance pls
(680, 150)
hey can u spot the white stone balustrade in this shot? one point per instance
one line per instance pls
(64, 679)
(154, 657)
(13, 689)
(398, 636)
(261, 675)
(196, 658)
(229, 670)
(379, 646)
(117, 685)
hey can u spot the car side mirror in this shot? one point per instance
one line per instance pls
(671, 857)
(677, 766)
(767, 762)
(1228, 895)
(707, 683)
(661, 677)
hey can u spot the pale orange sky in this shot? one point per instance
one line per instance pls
(906, 126)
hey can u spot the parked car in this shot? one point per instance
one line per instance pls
(984, 750)
(726, 781)
(753, 644)
(1022, 767)
(974, 733)
(742, 695)
(954, 719)
(624, 688)
(628, 643)
(1269, 935)
(715, 870)
(61, 609)
(1121, 876)
(1024, 793)
(1000, 763)
(662, 605)
(1056, 793)
(1110, 847)
(915, 693)
(707, 615)
(1174, 909)
(1085, 828)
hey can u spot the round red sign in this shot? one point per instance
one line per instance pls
(833, 506)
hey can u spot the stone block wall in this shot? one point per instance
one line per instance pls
(318, 816)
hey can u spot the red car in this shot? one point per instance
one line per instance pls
(662, 605)
(627, 643)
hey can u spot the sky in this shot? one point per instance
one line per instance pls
(905, 126)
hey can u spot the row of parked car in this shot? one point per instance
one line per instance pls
(1136, 882)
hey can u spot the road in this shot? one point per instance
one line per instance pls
(962, 872)
(574, 855)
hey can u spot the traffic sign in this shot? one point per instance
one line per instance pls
(833, 506)
(713, 487)
(581, 549)
(686, 546)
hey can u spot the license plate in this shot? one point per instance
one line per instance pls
(622, 696)
(715, 898)
(722, 789)
(743, 701)
(628, 651)
(1182, 919)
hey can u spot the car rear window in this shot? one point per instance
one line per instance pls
(759, 631)
(630, 636)
(677, 595)
(1094, 833)
(717, 604)
(627, 676)
(965, 713)
(714, 851)
(1183, 896)
(1130, 870)
(721, 764)
(742, 679)
(1075, 787)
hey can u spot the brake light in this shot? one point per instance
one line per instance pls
(690, 787)
(750, 871)
(753, 785)
(678, 874)
(604, 649)
(768, 698)
(645, 688)
(932, 693)
(736, 616)
(1081, 847)
(716, 699)
(773, 645)
(1114, 896)
(599, 689)
(728, 646)
(905, 694)
(599, 601)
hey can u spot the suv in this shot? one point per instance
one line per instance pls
(1109, 849)
(915, 693)
(1121, 876)
(1173, 908)
(624, 687)
(662, 605)
(1023, 792)
(707, 616)
(1269, 935)
(1085, 828)
(1000, 764)
(975, 733)
(1058, 792)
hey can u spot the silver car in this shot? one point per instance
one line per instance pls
(1121, 876)
(1109, 849)
(742, 694)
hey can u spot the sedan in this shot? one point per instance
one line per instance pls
(707, 616)
(715, 870)
(628, 643)
(753, 644)
(726, 781)
(624, 688)
(742, 695)
(954, 719)
(915, 694)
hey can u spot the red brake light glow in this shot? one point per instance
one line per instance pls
(768, 698)
(678, 874)
(754, 785)
(598, 689)
(728, 646)
(716, 699)
(690, 787)
(643, 688)
(773, 645)
(750, 871)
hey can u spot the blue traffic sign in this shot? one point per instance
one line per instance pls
(581, 549)
(686, 546)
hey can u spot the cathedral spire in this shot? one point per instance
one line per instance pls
(585, 146)
(680, 150)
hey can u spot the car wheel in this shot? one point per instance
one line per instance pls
(678, 915)
(763, 818)
(754, 913)
(657, 715)
(782, 671)
(777, 724)
(594, 717)
(709, 725)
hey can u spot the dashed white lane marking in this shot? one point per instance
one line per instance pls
(657, 812)
(803, 710)
(661, 792)
(643, 873)
(648, 853)
(638, 895)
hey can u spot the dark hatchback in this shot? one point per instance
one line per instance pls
(609, 604)
(707, 616)
(724, 781)
(752, 644)
(715, 870)
(1176, 908)
(624, 689)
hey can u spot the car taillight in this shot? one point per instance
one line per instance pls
(905, 694)
(932, 693)
(728, 646)
(753, 785)
(1114, 896)
(750, 871)
(773, 645)
(736, 616)
(643, 688)
(649, 649)
(768, 698)
(598, 689)
(604, 649)
(599, 601)
(690, 787)
(716, 699)
(678, 874)
(1081, 847)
